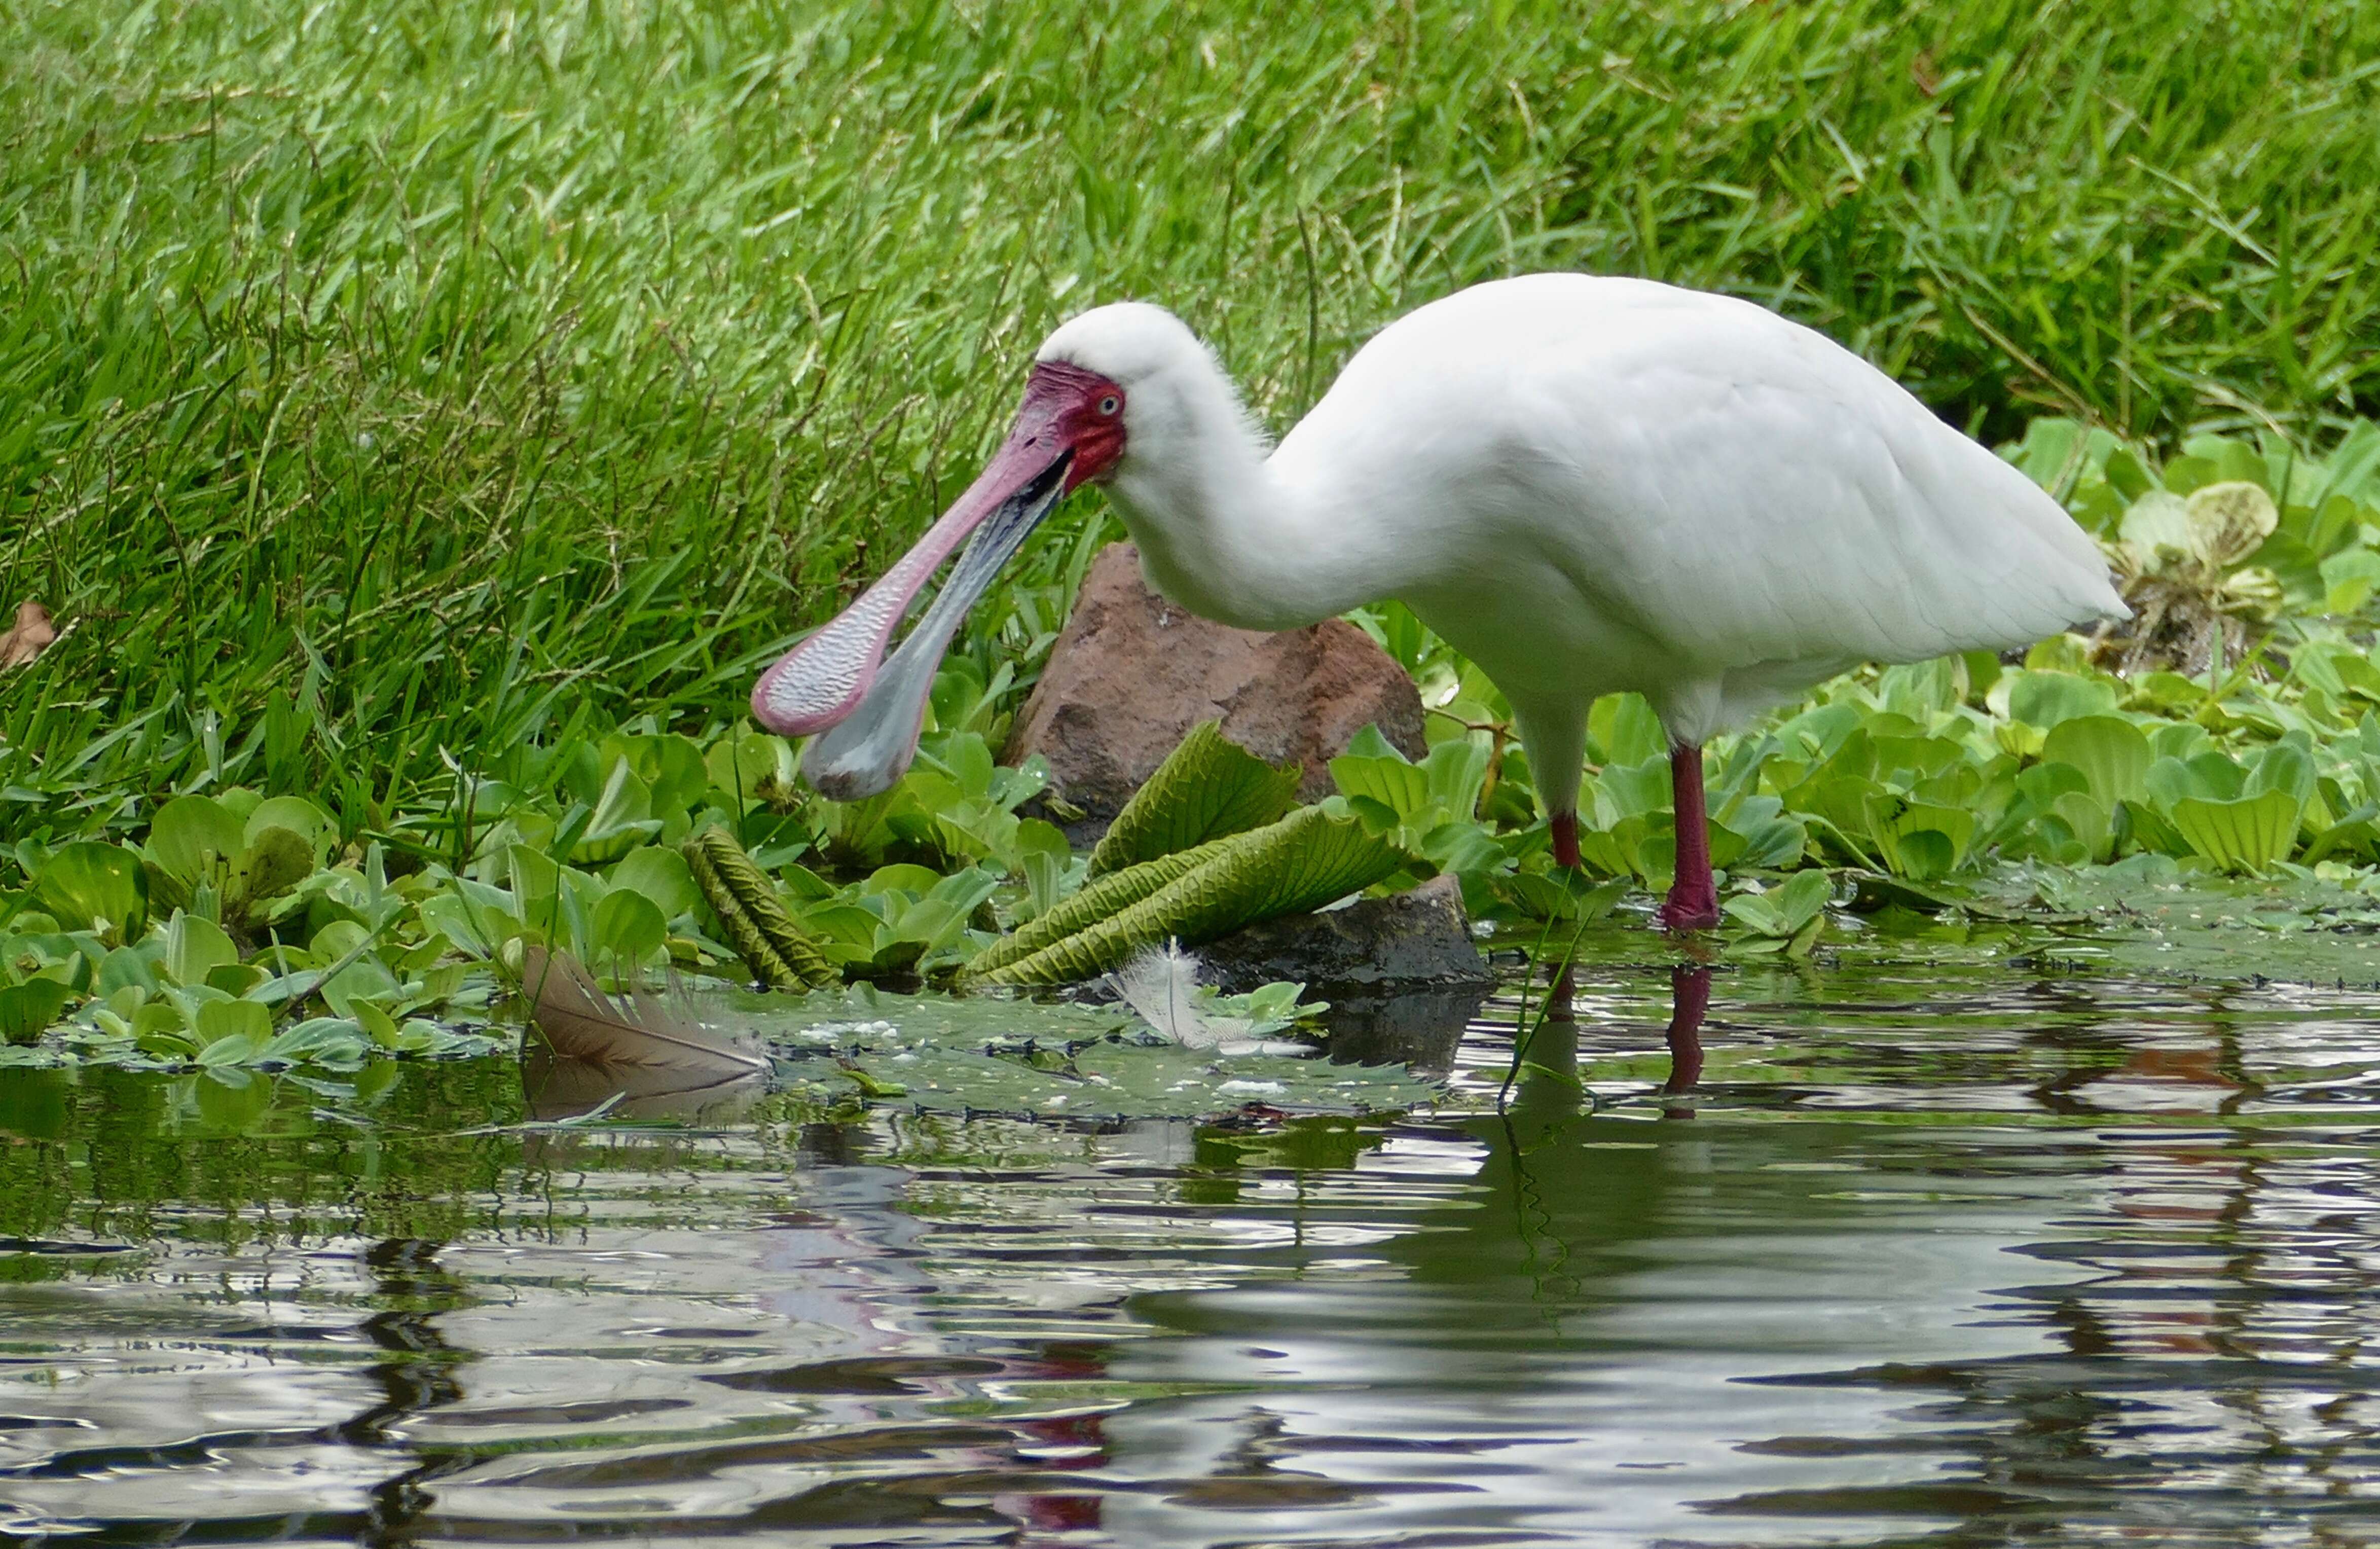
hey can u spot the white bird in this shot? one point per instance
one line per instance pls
(1584, 484)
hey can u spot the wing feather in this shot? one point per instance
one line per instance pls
(1722, 492)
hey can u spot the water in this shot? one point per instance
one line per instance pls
(1958, 1260)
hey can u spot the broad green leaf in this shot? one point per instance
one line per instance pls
(2091, 824)
(2284, 766)
(28, 1009)
(622, 820)
(277, 859)
(628, 928)
(1570, 898)
(1393, 782)
(1207, 787)
(2245, 835)
(300, 816)
(197, 838)
(919, 880)
(1623, 729)
(324, 1040)
(1782, 912)
(658, 873)
(220, 1020)
(2045, 699)
(750, 769)
(91, 886)
(1924, 841)
(2111, 752)
(1305, 860)
(1804, 898)
(1456, 770)
(195, 949)
(2348, 577)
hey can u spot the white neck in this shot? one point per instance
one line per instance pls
(1220, 530)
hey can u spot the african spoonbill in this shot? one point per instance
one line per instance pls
(1584, 484)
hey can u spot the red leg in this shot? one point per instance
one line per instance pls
(1694, 897)
(1565, 829)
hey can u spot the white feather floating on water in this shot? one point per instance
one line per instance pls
(1162, 986)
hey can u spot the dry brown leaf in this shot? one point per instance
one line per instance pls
(581, 1022)
(31, 636)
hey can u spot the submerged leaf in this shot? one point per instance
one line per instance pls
(1209, 787)
(1308, 858)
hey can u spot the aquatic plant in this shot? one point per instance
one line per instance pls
(1209, 787)
(159, 927)
(1312, 857)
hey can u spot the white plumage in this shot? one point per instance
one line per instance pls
(1584, 484)
(1588, 485)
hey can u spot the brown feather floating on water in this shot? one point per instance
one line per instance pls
(31, 636)
(581, 1022)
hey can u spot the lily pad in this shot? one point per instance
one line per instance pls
(979, 1053)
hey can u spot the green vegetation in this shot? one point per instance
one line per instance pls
(433, 419)
(381, 381)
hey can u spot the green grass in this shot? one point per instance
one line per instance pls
(381, 386)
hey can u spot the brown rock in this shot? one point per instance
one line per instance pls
(1133, 673)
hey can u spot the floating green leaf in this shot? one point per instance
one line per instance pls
(196, 839)
(27, 1010)
(1787, 919)
(2112, 753)
(91, 886)
(1209, 787)
(2245, 835)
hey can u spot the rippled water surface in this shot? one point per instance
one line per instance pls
(1981, 1260)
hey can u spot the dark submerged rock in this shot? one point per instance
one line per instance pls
(1133, 673)
(1405, 943)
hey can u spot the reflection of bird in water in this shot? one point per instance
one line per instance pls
(1547, 1059)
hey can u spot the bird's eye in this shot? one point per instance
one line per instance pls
(1107, 405)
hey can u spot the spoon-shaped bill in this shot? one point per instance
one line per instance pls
(825, 678)
(868, 750)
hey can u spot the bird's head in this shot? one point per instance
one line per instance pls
(1076, 424)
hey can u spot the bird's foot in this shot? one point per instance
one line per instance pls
(1689, 908)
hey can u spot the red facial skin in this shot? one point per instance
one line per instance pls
(1066, 406)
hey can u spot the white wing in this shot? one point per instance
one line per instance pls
(1736, 506)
